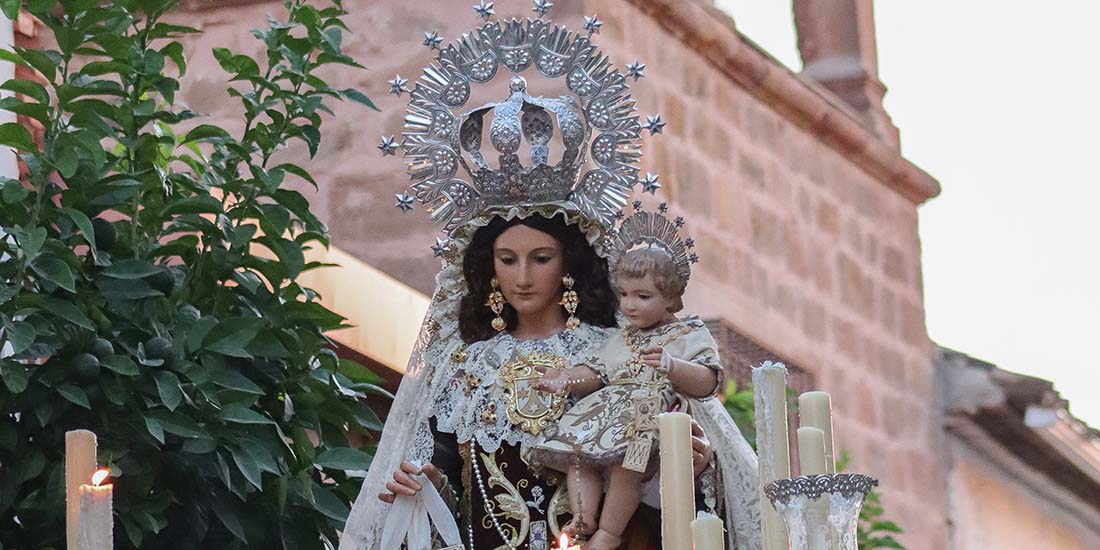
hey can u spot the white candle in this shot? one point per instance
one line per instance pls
(96, 530)
(815, 410)
(80, 463)
(770, 389)
(708, 533)
(677, 481)
(811, 451)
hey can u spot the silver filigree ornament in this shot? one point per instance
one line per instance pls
(650, 183)
(404, 201)
(484, 9)
(441, 247)
(636, 70)
(652, 230)
(592, 24)
(542, 7)
(654, 124)
(432, 40)
(388, 145)
(814, 486)
(397, 85)
(593, 130)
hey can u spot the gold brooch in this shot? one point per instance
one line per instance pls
(529, 409)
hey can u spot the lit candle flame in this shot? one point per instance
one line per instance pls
(100, 475)
(563, 541)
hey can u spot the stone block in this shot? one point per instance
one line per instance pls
(813, 320)
(820, 267)
(844, 337)
(912, 324)
(785, 301)
(765, 231)
(794, 250)
(673, 113)
(856, 289)
(886, 309)
(893, 264)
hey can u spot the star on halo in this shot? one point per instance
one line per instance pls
(636, 70)
(619, 215)
(542, 7)
(693, 258)
(387, 146)
(654, 124)
(663, 207)
(637, 205)
(397, 85)
(440, 247)
(432, 40)
(690, 243)
(592, 25)
(650, 184)
(679, 221)
(484, 10)
(404, 201)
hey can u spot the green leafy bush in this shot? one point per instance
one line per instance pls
(135, 302)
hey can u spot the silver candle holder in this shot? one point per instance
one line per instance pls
(817, 523)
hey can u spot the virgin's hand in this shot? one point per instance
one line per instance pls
(701, 451)
(552, 380)
(404, 484)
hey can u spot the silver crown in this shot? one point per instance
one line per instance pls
(653, 229)
(452, 175)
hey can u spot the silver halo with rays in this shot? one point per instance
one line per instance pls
(653, 229)
(442, 142)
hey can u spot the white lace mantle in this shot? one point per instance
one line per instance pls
(460, 412)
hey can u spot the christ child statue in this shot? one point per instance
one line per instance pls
(649, 367)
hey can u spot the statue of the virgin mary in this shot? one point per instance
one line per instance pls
(524, 285)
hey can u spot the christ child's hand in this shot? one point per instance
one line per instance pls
(657, 358)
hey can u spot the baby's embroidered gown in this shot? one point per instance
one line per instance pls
(601, 427)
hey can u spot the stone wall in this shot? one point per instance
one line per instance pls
(804, 248)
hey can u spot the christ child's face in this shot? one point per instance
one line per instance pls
(641, 302)
(529, 265)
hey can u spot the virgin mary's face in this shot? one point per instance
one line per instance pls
(529, 265)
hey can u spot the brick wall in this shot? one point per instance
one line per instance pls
(807, 248)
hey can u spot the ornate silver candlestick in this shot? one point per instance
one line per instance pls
(820, 511)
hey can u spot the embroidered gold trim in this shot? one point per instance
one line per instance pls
(510, 503)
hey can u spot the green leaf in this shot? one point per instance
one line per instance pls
(84, 224)
(176, 423)
(120, 364)
(65, 161)
(329, 504)
(198, 331)
(248, 467)
(45, 62)
(358, 373)
(205, 132)
(234, 380)
(168, 387)
(56, 271)
(16, 135)
(28, 88)
(68, 311)
(30, 241)
(232, 335)
(202, 204)
(344, 458)
(227, 515)
(241, 415)
(131, 269)
(14, 191)
(20, 335)
(155, 429)
(75, 395)
(15, 376)
(358, 97)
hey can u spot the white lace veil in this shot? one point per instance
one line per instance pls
(406, 436)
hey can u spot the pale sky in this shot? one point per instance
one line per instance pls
(1000, 101)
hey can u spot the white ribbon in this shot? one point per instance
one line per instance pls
(411, 519)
